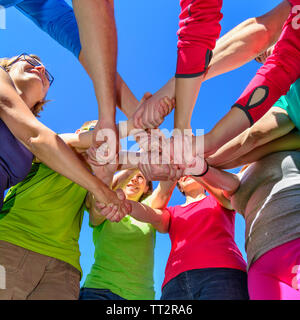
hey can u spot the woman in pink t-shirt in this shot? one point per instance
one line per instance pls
(205, 262)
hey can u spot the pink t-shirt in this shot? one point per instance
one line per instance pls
(202, 236)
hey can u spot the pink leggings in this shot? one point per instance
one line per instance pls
(276, 274)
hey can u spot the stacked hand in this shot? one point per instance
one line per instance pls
(151, 113)
(158, 168)
(113, 205)
(105, 142)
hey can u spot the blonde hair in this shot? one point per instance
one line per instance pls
(144, 196)
(88, 124)
(6, 64)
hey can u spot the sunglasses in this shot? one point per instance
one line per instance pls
(35, 63)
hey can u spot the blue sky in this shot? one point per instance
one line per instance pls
(146, 60)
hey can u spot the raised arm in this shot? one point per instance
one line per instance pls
(274, 124)
(58, 20)
(45, 144)
(215, 179)
(247, 40)
(290, 141)
(237, 47)
(162, 194)
(160, 219)
(98, 38)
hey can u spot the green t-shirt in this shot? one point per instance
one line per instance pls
(43, 213)
(124, 259)
(291, 103)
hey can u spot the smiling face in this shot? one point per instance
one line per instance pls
(188, 185)
(136, 187)
(30, 80)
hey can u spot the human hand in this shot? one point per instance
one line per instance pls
(157, 168)
(105, 142)
(151, 112)
(113, 205)
(104, 172)
(197, 168)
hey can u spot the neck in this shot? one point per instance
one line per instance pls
(134, 198)
(29, 102)
(193, 197)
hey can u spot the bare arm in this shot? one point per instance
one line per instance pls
(224, 181)
(98, 37)
(291, 141)
(126, 101)
(158, 218)
(96, 218)
(162, 194)
(239, 46)
(121, 179)
(274, 124)
(217, 193)
(40, 140)
(247, 40)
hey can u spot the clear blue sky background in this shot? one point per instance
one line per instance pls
(147, 58)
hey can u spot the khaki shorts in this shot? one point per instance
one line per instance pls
(27, 275)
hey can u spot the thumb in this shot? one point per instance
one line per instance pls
(147, 95)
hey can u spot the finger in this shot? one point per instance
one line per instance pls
(148, 117)
(106, 211)
(100, 205)
(128, 207)
(137, 118)
(118, 217)
(112, 213)
(164, 106)
(147, 95)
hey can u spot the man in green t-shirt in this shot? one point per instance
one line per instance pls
(40, 224)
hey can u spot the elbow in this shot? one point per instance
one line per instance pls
(163, 226)
(39, 141)
(263, 36)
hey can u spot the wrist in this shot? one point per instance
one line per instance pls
(204, 172)
(97, 187)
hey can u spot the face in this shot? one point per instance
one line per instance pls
(136, 187)
(29, 79)
(188, 184)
